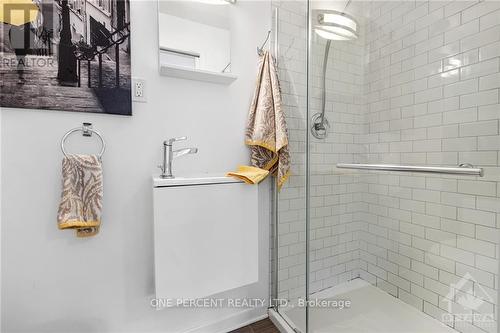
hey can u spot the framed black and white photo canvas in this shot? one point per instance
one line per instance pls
(67, 55)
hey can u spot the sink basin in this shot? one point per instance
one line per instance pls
(194, 180)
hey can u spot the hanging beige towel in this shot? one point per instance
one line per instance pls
(266, 132)
(81, 200)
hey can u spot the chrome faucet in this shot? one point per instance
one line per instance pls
(169, 155)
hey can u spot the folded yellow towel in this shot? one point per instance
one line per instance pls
(81, 199)
(249, 174)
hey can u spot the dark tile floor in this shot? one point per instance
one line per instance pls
(263, 326)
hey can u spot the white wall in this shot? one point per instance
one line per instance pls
(53, 282)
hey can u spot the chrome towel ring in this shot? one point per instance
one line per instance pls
(86, 130)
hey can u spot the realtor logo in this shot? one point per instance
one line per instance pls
(469, 295)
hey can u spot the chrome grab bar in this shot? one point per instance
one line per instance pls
(462, 169)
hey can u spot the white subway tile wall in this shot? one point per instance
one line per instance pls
(449, 223)
(420, 86)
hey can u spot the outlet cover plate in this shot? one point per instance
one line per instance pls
(139, 90)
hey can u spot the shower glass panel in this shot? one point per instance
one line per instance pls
(409, 83)
(290, 252)
(337, 121)
(398, 85)
(430, 240)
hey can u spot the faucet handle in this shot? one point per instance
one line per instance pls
(169, 142)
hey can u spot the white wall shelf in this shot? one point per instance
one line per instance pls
(196, 74)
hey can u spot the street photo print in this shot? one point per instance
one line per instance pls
(66, 55)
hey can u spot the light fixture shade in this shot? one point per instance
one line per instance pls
(335, 25)
(341, 31)
(217, 2)
(329, 34)
(340, 19)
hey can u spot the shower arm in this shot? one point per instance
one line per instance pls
(321, 125)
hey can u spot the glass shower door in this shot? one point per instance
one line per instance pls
(337, 122)
(387, 216)
(418, 86)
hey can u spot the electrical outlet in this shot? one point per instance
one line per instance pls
(138, 90)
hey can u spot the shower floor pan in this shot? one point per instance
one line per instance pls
(372, 310)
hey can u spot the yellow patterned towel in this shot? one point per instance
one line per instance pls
(250, 175)
(81, 199)
(266, 131)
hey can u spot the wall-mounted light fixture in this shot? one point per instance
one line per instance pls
(335, 25)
